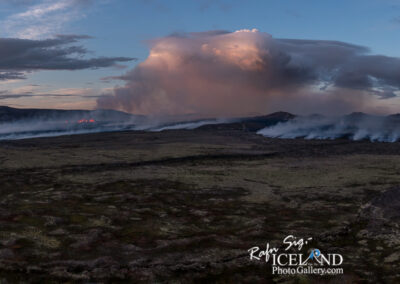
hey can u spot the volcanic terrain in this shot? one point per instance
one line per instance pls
(186, 205)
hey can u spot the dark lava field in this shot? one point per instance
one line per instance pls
(184, 206)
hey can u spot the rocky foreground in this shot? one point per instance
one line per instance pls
(185, 207)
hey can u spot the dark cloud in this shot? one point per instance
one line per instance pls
(11, 75)
(345, 65)
(18, 56)
(249, 71)
(386, 94)
(319, 53)
(4, 95)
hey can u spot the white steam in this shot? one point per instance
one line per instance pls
(42, 127)
(355, 127)
(35, 129)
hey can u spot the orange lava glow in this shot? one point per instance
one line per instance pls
(86, 121)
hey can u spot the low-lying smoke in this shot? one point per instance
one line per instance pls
(36, 129)
(356, 126)
(33, 123)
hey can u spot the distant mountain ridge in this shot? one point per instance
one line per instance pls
(252, 124)
(9, 114)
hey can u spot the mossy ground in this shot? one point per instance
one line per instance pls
(185, 206)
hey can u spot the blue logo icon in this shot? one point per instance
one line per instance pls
(314, 253)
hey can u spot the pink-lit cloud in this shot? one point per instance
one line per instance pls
(247, 72)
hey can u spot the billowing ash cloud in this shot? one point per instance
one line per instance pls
(18, 56)
(246, 72)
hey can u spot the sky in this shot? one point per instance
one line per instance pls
(201, 56)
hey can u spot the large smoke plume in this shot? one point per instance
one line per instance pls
(248, 72)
